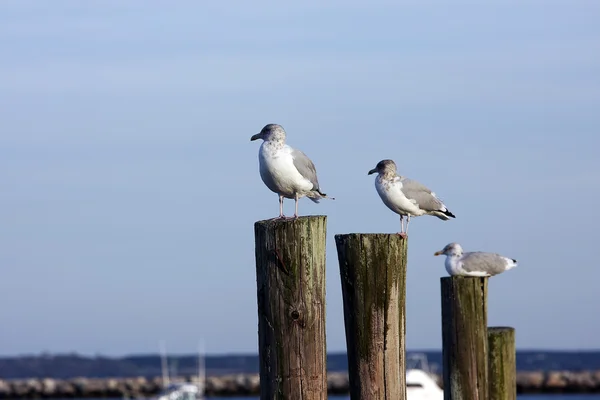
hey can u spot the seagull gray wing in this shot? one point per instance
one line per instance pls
(479, 261)
(306, 167)
(424, 198)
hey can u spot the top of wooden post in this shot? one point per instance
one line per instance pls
(278, 221)
(460, 278)
(500, 329)
(370, 235)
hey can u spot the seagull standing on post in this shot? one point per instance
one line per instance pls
(405, 196)
(285, 170)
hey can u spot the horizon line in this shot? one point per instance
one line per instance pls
(254, 354)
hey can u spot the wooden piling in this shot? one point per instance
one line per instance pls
(464, 338)
(373, 275)
(290, 278)
(502, 356)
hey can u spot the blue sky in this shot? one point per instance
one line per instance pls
(130, 185)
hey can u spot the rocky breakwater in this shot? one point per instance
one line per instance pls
(249, 384)
(558, 382)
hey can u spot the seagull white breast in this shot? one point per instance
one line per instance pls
(278, 172)
(392, 196)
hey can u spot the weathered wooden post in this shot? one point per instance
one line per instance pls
(373, 274)
(464, 338)
(290, 278)
(502, 356)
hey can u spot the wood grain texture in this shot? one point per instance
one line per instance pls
(373, 276)
(290, 278)
(464, 338)
(502, 356)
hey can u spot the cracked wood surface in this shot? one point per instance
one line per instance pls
(290, 278)
(502, 363)
(373, 274)
(464, 337)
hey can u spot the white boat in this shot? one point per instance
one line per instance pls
(420, 382)
(182, 390)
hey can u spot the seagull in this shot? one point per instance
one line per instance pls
(405, 196)
(285, 170)
(475, 263)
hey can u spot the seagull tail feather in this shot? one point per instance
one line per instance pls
(444, 214)
(317, 195)
(448, 213)
(510, 263)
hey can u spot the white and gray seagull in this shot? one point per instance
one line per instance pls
(285, 170)
(476, 263)
(406, 197)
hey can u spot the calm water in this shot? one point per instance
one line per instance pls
(528, 397)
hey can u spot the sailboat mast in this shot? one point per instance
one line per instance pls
(201, 365)
(163, 362)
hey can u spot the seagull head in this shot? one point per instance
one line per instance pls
(383, 167)
(270, 133)
(452, 249)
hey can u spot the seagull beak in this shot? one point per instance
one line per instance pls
(254, 137)
(374, 170)
(438, 253)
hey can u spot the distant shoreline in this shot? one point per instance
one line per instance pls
(249, 384)
(76, 376)
(68, 366)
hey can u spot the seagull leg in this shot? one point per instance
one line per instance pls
(296, 201)
(401, 233)
(281, 207)
(407, 222)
